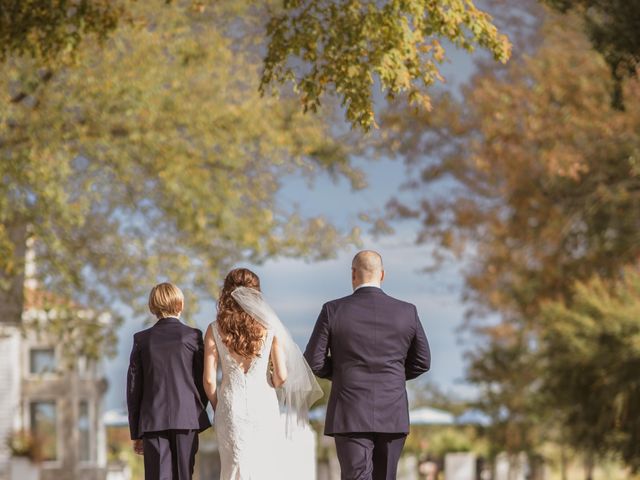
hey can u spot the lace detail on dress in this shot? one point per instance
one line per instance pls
(247, 417)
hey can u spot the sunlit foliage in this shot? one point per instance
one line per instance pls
(154, 157)
(340, 47)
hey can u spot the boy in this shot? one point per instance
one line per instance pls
(165, 394)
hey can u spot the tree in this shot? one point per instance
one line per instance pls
(592, 359)
(45, 29)
(506, 371)
(533, 178)
(612, 27)
(346, 45)
(426, 393)
(153, 157)
(541, 166)
(321, 45)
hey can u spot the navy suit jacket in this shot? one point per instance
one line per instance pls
(164, 383)
(368, 344)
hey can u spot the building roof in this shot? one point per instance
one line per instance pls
(38, 299)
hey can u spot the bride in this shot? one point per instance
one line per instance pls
(262, 403)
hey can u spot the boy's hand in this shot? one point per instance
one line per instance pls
(137, 447)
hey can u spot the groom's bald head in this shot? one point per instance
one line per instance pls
(366, 267)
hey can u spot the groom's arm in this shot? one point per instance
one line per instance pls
(134, 390)
(419, 355)
(317, 352)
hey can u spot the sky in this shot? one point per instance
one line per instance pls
(296, 288)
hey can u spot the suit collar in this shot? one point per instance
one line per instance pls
(369, 284)
(365, 290)
(162, 321)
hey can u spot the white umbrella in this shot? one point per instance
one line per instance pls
(115, 418)
(430, 416)
(474, 417)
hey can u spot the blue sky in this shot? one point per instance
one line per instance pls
(297, 289)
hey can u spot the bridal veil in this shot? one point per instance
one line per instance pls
(301, 389)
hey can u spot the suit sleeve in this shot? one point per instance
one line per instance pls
(419, 355)
(134, 390)
(318, 353)
(198, 369)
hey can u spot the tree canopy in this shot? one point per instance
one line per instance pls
(542, 167)
(153, 158)
(613, 26)
(346, 45)
(45, 29)
(591, 362)
(340, 47)
(532, 176)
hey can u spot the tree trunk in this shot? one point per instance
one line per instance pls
(12, 278)
(588, 467)
(563, 462)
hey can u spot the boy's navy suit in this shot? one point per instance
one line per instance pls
(166, 398)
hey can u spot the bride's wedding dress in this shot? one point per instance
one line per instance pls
(264, 433)
(247, 418)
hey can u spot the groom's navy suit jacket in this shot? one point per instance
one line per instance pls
(164, 383)
(368, 344)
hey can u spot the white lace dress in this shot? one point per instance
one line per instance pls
(247, 418)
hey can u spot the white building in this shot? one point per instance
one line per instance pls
(60, 403)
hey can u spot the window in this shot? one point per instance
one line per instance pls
(82, 366)
(44, 428)
(42, 360)
(84, 431)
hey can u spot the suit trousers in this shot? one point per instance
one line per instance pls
(170, 454)
(369, 456)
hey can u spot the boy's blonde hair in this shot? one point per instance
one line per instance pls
(166, 300)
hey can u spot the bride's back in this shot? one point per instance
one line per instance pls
(232, 362)
(243, 344)
(242, 360)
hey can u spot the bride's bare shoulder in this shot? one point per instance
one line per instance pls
(209, 340)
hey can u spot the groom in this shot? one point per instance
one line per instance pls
(368, 344)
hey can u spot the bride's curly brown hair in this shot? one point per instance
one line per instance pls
(239, 331)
